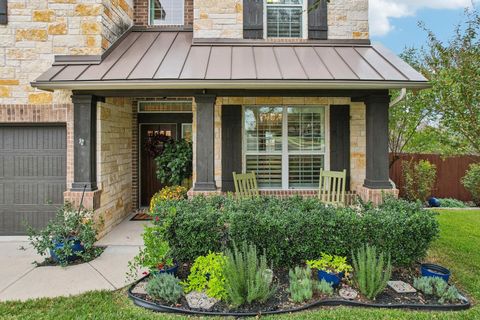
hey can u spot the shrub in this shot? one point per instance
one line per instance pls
(69, 225)
(168, 193)
(419, 179)
(247, 277)
(293, 230)
(471, 182)
(323, 287)
(300, 284)
(452, 203)
(206, 274)
(333, 264)
(372, 272)
(174, 164)
(165, 287)
(437, 287)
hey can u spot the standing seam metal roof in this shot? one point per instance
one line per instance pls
(172, 55)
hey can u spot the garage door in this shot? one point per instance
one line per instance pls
(32, 175)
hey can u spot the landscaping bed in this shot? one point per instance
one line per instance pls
(281, 302)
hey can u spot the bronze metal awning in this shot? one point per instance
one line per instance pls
(155, 59)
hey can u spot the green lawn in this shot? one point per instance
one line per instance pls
(458, 248)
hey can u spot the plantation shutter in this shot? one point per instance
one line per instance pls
(3, 12)
(318, 20)
(231, 145)
(253, 19)
(340, 139)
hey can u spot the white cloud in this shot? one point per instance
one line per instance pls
(382, 10)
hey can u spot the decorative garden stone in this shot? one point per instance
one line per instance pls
(199, 300)
(401, 287)
(348, 293)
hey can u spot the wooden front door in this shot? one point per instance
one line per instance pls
(149, 183)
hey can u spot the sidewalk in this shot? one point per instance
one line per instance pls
(21, 280)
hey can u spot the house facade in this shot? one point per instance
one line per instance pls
(280, 87)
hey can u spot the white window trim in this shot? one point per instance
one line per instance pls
(304, 20)
(285, 154)
(152, 23)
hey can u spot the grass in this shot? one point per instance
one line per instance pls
(458, 248)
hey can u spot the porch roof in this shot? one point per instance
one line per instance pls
(155, 59)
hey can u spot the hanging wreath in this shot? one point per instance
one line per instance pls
(155, 144)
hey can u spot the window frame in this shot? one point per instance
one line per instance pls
(285, 152)
(152, 23)
(304, 20)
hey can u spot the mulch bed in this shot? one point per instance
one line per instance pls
(280, 302)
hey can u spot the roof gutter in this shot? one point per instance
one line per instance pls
(229, 84)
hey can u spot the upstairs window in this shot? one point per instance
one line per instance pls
(166, 12)
(285, 18)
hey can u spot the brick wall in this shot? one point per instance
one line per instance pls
(38, 30)
(141, 13)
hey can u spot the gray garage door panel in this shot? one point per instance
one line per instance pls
(32, 175)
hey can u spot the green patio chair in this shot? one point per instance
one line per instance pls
(332, 186)
(245, 184)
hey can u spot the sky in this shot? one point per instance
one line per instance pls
(394, 23)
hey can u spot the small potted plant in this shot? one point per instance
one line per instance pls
(154, 256)
(70, 236)
(330, 268)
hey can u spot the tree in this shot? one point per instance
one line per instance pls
(454, 71)
(409, 115)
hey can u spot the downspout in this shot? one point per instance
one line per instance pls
(403, 95)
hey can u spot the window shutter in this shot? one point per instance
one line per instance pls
(252, 19)
(3, 12)
(318, 21)
(231, 145)
(340, 139)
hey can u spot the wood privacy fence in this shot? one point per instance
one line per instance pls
(450, 171)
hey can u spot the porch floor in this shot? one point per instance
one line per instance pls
(21, 280)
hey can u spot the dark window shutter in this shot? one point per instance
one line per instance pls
(231, 145)
(340, 139)
(318, 20)
(252, 19)
(3, 12)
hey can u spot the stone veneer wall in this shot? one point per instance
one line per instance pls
(114, 160)
(141, 13)
(357, 129)
(347, 19)
(38, 30)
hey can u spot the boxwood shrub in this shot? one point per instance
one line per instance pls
(295, 229)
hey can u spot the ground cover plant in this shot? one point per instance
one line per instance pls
(454, 249)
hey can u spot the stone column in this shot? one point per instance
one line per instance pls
(204, 149)
(377, 174)
(84, 138)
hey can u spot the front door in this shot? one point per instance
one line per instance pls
(149, 183)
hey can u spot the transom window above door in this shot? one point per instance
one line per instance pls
(285, 18)
(286, 146)
(166, 12)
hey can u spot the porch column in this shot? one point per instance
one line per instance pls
(204, 139)
(377, 173)
(84, 138)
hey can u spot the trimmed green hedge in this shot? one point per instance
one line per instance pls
(295, 229)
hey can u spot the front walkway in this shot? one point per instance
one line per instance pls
(21, 280)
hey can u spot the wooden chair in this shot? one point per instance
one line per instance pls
(332, 186)
(245, 184)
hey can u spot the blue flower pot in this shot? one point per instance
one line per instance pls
(333, 278)
(433, 270)
(76, 246)
(434, 202)
(172, 270)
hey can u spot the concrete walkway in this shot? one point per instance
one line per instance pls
(21, 280)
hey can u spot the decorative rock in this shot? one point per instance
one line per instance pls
(401, 287)
(140, 288)
(199, 300)
(348, 293)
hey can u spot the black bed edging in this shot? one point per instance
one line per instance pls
(328, 302)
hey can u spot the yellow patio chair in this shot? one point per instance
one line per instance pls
(332, 186)
(245, 184)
